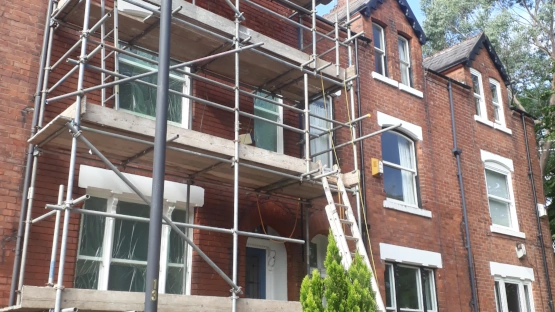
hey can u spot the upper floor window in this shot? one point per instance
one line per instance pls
(112, 252)
(496, 101)
(141, 99)
(500, 198)
(268, 135)
(513, 295)
(409, 288)
(404, 61)
(399, 161)
(379, 50)
(478, 93)
(320, 127)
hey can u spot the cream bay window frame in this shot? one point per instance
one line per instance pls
(106, 258)
(493, 167)
(392, 291)
(481, 111)
(525, 297)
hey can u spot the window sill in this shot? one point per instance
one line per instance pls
(383, 78)
(410, 90)
(398, 205)
(506, 231)
(492, 124)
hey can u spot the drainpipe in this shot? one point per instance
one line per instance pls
(538, 222)
(457, 153)
(30, 157)
(360, 134)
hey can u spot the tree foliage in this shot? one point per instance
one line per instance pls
(340, 290)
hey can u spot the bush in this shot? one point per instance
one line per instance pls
(340, 291)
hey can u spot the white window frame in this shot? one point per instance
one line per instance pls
(522, 294)
(483, 114)
(414, 171)
(185, 102)
(109, 229)
(406, 62)
(381, 51)
(499, 105)
(433, 293)
(279, 139)
(319, 130)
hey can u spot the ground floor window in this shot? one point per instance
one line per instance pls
(409, 288)
(112, 252)
(513, 295)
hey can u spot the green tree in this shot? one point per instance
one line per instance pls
(342, 291)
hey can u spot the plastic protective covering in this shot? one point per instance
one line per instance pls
(128, 258)
(141, 98)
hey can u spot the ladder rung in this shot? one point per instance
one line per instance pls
(341, 205)
(351, 238)
(344, 221)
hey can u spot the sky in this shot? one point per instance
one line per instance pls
(414, 5)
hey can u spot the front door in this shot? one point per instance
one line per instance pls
(256, 273)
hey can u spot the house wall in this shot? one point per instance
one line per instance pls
(439, 189)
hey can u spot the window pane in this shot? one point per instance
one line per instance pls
(379, 63)
(389, 288)
(513, 298)
(266, 105)
(405, 78)
(141, 99)
(377, 32)
(407, 291)
(500, 213)
(397, 149)
(92, 228)
(393, 182)
(476, 84)
(496, 113)
(174, 280)
(322, 143)
(498, 305)
(478, 106)
(527, 298)
(125, 277)
(86, 274)
(176, 252)
(265, 134)
(494, 95)
(313, 256)
(131, 238)
(497, 184)
(429, 290)
(403, 53)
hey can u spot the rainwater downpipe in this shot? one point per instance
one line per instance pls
(361, 143)
(30, 157)
(538, 221)
(457, 153)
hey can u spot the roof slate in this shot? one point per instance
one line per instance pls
(464, 53)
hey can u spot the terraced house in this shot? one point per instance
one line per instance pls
(282, 125)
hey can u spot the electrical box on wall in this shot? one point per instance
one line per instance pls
(520, 250)
(377, 167)
(542, 212)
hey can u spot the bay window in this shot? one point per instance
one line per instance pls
(513, 295)
(112, 252)
(409, 288)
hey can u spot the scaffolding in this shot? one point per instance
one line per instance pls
(272, 67)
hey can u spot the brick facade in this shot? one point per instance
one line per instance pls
(437, 171)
